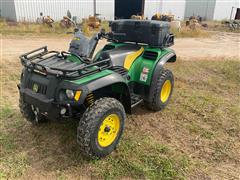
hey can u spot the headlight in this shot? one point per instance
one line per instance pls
(70, 93)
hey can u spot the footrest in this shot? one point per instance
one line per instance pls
(135, 99)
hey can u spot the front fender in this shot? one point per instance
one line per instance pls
(105, 81)
(117, 85)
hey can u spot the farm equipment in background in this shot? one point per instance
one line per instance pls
(67, 21)
(45, 20)
(156, 17)
(137, 17)
(195, 23)
(174, 24)
(48, 21)
(233, 23)
(163, 17)
(93, 22)
(167, 17)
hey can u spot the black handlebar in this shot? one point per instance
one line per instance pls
(82, 59)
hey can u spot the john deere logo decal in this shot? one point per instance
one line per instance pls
(35, 88)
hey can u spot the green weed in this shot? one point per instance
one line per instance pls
(140, 157)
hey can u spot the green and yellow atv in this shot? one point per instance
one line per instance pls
(99, 91)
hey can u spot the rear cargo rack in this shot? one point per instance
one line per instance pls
(47, 62)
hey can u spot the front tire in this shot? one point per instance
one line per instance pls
(162, 91)
(101, 127)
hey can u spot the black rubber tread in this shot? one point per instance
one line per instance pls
(27, 112)
(155, 103)
(90, 123)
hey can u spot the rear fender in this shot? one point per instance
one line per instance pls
(169, 57)
(142, 70)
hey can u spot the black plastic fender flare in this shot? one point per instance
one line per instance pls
(169, 57)
(105, 81)
(109, 80)
(97, 84)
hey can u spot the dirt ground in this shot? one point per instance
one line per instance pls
(196, 136)
(220, 45)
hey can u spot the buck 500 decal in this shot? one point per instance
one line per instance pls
(144, 74)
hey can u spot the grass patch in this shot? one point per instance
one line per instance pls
(41, 29)
(141, 157)
(230, 70)
(221, 26)
(13, 162)
(188, 33)
(5, 111)
(30, 28)
(13, 165)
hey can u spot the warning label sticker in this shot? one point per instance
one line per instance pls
(144, 74)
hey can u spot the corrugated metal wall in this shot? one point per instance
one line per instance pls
(209, 9)
(223, 9)
(30, 10)
(152, 7)
(7, 9)
(176, 7)
(106, 9)
(204, 8)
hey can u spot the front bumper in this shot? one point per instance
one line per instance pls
(49, 107)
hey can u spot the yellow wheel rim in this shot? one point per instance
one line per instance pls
(108, 130)
(166, 90)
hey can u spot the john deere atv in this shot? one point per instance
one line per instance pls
(99, 90)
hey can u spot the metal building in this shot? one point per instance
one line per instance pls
(223, 9)
(7, 9)
(205, 9)
(23, 10)
(29, 10)
(176, 7)
(183, 9)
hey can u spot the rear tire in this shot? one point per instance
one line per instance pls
(28, 113)
(101, 127)
(162, 91)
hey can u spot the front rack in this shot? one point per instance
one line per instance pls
(53, 62)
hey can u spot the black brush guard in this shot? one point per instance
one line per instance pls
(47, 62)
